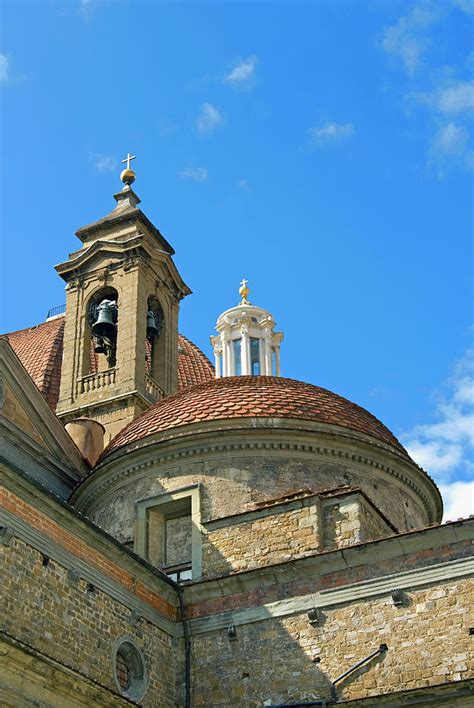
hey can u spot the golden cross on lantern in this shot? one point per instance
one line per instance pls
(243, 292)
(128, 158)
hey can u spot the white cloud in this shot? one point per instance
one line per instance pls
(208, 119)
(198, 174)
(243, 73)
(450, 141)
(103, 163)
(4, 69)
(458, 500)
(331, 132)
(85, 7)
(452, 100)
(405, 39)
(465, 5)
(243, 185)
(446, 446)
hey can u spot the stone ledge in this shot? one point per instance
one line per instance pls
(80, 570)
(51, 679)
(329, 598)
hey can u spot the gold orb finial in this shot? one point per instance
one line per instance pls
(127, 175)
(243, 292)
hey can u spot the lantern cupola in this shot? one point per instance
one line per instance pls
(246, 343)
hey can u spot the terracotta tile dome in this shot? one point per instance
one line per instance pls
(251, 397)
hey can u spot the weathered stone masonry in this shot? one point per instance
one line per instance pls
(280, 657)
(64, 601)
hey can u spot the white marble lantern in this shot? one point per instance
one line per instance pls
(246, 344)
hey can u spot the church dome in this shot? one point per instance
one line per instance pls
(253, 397)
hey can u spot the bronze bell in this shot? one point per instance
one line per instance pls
(105, 325)
(152, 330)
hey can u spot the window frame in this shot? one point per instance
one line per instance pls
(165, 501)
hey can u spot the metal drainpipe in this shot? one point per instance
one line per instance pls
(381, 650)
(187, 652)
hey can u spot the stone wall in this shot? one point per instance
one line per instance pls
(273, 535)
(285, 530)
(71, 621)
(349, 519)
(283, 660)
(69, 595)
(236, 484)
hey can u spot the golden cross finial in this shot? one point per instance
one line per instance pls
(128, 175)
(244, 291)
(128, 158)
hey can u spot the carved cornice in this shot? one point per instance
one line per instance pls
(138, 462)
(56, 451)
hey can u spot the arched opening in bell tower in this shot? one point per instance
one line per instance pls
(101, 331)
(155, 345)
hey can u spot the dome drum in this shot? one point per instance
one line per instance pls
(240, 463)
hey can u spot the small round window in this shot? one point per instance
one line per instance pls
(129, 669)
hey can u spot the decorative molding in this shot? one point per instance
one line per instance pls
(326, 599)
(112, 473)
(56, 446)
(20, 451)
(81, 569)
(120, 400)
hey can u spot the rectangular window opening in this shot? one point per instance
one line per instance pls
(169, 533)
(255, 356)
(170, 537)
(236, 344)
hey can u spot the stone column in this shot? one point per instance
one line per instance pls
(244, 351)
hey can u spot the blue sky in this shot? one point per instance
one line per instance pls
(323, 150)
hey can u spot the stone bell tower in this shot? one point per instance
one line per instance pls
(121, 333)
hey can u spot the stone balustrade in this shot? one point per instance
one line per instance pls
(153, 390)
(92, 382)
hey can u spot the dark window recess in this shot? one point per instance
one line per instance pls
(178, 573)
(169, 541)
(123, 671)
(129, 670)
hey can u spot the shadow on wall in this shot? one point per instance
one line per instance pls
(274, 662)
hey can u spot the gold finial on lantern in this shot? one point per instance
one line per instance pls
(127, 175)
(243, 292)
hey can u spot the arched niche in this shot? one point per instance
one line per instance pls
(100, 351)
(156, 342)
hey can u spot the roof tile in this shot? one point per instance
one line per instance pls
(40, 350)
(253, 396)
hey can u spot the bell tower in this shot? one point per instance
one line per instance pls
(121, 332)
